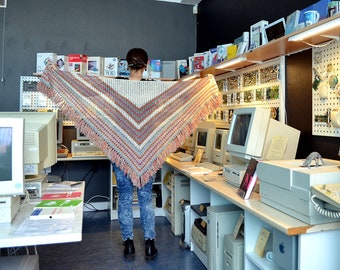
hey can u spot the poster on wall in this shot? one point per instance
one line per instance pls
(3, 3)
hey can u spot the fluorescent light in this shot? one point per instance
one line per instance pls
(316, 30)
(230, 63)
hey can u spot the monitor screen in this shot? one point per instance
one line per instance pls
(220, 144)
(240, 131)
(218, 141)
(11, 156)
(40, 140)
(204, 139)
(6, 134)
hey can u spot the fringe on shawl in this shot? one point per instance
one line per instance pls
(210, 105)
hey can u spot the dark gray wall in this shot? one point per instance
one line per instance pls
(97, 28)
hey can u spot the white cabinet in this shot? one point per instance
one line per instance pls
(297, 245)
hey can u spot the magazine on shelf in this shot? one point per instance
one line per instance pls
(292, 22)
(200, 61)
(242, 43)
(231, 51)
(182, 68)
(257, 34)
(249, 180)
(222, 52)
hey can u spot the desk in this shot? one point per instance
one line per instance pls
(7, 239)
(318, 245)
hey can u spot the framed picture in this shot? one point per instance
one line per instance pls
(3, 3)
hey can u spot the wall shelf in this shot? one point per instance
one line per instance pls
(280, 47)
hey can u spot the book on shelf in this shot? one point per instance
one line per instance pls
(292, 22)
(249, 180)
(155, 68)
(200, 61)
(191, 69)
(222, 52)
(242, 43)
(257, 34)
(231, 51)
(261, 242)
(212, 57)
(182, 68)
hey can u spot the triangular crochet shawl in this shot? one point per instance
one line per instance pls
(137, 124)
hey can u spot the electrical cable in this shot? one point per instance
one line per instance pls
(88, 203)
(323, 211)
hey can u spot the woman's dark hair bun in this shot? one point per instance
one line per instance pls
(137, 58)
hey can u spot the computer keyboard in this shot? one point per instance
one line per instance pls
(329, 193)
(181, 156)
(211, 166)
(85, 154)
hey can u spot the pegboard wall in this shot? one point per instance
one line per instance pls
(261, 85)
(32, 101)
(326, 90)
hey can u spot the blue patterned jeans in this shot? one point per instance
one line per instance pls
(125, 197)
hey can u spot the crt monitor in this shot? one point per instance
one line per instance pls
(254, 135)
(11, 156)
(40, 140)
(204, 140)
(247, 132)
(81, 136)
(220, 145)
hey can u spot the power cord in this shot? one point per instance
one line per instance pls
(90, 206)
(323, 211)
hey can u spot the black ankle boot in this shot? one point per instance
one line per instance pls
(129, 250)
(150, 249)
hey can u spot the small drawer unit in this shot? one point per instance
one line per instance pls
(233, 252)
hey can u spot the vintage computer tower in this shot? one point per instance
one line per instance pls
(221, 221)
(180, 189)
(233, 252)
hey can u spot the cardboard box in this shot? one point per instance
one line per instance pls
(95, 65)
(111, 66)
(77, 63)
(43, 59)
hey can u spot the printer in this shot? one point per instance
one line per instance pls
(286, 186)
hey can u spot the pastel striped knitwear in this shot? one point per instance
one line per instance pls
(137, 124)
